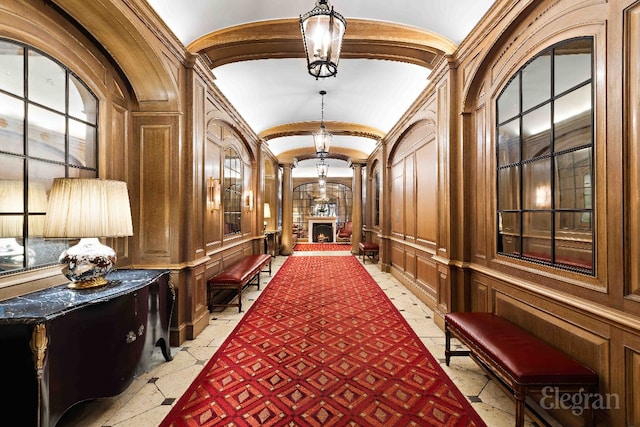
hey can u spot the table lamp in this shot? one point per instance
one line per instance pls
(88, 209)
(12, 223)
(267, 214)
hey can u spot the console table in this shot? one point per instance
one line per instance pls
(60, 346)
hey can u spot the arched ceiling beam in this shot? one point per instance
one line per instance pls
(281, 38)
(308, 128)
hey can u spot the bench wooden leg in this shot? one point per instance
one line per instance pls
(520, 396)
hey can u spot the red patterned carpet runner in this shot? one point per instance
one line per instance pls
(301, 247)
(322, 346)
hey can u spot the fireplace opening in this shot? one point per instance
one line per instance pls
(322, 233)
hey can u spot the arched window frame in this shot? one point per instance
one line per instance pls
(48, 129)
(544, 190)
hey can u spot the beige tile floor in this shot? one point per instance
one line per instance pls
(149, 398)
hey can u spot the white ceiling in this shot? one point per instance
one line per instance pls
(272, 92)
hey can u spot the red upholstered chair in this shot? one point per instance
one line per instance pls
(344, 232)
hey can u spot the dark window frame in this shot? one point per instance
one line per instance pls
(516, 168)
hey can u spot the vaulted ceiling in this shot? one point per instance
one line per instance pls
(256, 53)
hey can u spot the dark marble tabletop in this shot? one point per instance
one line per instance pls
(49, 303)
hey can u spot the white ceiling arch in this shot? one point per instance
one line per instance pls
(275, 90)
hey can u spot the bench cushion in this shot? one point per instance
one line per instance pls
(528, 359)
(368, 246)
(242, 271)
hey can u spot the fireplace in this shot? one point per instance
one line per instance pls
(322, 232)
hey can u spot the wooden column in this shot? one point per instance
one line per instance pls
(287, 210)
(356, 216)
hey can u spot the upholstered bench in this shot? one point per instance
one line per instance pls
(237, 277)
(368, 249)
(519, 360)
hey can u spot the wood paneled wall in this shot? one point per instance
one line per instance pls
(441, 224)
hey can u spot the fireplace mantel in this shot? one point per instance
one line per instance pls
(322, 220)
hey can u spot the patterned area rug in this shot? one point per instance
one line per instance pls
(301, 247)
(321, 347)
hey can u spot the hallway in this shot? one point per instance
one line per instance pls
(149, 398)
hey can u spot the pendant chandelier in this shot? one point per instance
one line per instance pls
(323, 169)
(322, 139)
(322, 32)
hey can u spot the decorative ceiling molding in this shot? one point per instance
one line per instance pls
(281, 38)
(309, 128)
(340, 153)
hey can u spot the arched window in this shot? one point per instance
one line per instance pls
(232, 192)
(545, 141)
(48, 129)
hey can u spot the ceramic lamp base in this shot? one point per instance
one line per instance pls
(86, 263)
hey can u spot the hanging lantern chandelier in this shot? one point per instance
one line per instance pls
(323, 169)
(322, 139)
(322, 32)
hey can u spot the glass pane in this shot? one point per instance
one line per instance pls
(509, 233)
(537, 184)
(509, 143)
(232, 192)
(11, 167)
(11, 248)
(577, 249)
(44, 251)
(12, 66)
(572, 62)
(536, 82)
(47, 82)
(82, 144)
(11, 124)
(41, 174)
(46, 134)
(536, 241)
(82, 104)
(509, 101)
(509, 188)
(536, 129)
(572, 119)
(573, 180)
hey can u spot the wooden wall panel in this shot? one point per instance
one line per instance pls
(479, 296)
(632, 50)
(397, 201)
(480, 172)
(427, 192)
(410, 263)
(155, 192)
(409, 209)
(117, 168)
(200, 182)
(633, 387)
(397, 256)
(427, 274)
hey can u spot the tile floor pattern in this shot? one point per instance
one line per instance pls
(149, 398)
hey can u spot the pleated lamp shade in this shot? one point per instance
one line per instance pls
(81, 207)
(88, 209)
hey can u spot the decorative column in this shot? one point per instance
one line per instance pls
(356, 216)
(287, 210)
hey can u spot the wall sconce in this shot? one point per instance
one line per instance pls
(214, 193)
(248, 203)
(88, 209)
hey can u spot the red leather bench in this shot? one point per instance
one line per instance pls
(369, 249)
(237, 277)
(519, 360)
